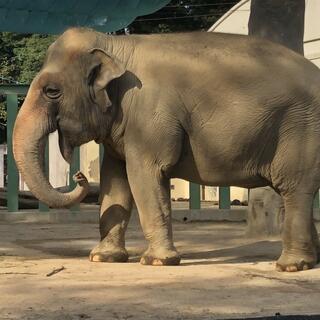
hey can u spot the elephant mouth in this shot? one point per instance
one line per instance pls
(65, 146)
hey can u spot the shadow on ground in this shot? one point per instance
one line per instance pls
(225, 244)
(267, 251)
(223, 275)
(279, 317)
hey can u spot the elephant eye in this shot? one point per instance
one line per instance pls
(52, 92)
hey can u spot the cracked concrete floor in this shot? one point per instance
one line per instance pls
(222, 275)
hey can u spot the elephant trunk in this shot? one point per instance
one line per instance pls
(30, 134)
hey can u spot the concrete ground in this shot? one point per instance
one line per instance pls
(222, 275)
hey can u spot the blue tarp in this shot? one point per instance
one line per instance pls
(54, 16)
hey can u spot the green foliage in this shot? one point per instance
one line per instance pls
(3, 121)
(29, 55)
(20, 59)
(22, 55)
(183, 16)
(3, 113)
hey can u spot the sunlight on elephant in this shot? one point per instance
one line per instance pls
(213, 109)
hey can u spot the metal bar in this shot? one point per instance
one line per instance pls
(311, 40)
(13, 175)
(2, 148)
(316, 202)
(74, 167)
(42, 206)
(224, 197)
(18, 89)
(101, 153)
(194, 198)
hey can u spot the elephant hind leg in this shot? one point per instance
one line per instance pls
(299, 248)
(295, 173)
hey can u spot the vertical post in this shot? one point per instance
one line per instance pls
(74, 167)
(101, 153)
(194, 196)
(316, 201)
(2, 148)
(203, 193)
(224, 197)
(42, 206)
(12, 171)
(279, 21)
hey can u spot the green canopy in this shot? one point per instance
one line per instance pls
(54, 16)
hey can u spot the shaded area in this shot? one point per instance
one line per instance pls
(279, 317)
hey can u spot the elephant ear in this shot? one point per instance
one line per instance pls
(104, 69)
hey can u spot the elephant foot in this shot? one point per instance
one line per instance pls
(103, 254)
(161, 258)
(290, 262)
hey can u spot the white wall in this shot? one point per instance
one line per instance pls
(89, 164)
(179, 189)
(235, 20)
(312, 31)
(58, 167)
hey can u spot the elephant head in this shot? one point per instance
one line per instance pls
(69, 94)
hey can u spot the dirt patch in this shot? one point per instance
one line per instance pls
(223, 275)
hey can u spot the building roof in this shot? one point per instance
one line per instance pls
(54, 16)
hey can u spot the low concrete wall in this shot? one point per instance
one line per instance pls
(211, 214)
(90, 214)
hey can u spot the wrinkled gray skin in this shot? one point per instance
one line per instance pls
(214, 109)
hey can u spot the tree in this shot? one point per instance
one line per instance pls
(279, 21)
(182, 16)
(29, 55)
(282, 22)
(21, 58)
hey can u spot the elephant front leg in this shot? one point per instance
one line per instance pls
(115, 211)
(300, 240)
(151, 192)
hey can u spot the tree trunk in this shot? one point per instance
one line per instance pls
(278, 21)
(282, 22)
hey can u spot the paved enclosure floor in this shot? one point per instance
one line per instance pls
(223, 275)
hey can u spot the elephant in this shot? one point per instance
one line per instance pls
(214, 109)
